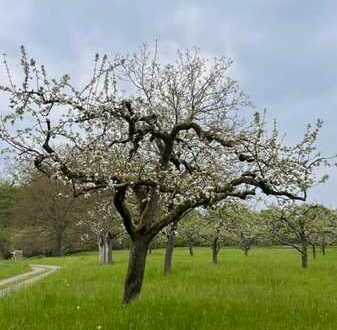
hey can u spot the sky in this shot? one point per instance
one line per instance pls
(284, 51)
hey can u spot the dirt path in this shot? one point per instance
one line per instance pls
(37, 273)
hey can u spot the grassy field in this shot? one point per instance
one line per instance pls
(266, 290)
(10, 268)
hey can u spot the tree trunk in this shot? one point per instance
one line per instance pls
(246, 250)
(314, 251)
(105, 249)
(215, 250)
(323, 249)
(101, 253)
(304, 257)
(323, 244)
(190, 248)
(136, 269)
(59, 249)
(150, 248)
(108, 249)
(169, 250)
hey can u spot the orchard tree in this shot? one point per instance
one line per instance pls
(215, 231)
(104, 222)
(169, 136)
(189, 230)
(166, 237)
(192, 230)
(245, 227)
(234, 223)
(217, 239)
(171, 233)
(323, 230)
(294, 225)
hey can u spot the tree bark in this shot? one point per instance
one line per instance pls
(304, 256)
(105, 249)
(59, 249)
(150, 248)
(108, 249)
(136, 269)
(169, 250)
(101, 253)
(314, 251)
(215, 250)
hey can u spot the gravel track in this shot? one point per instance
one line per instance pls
(15, 283)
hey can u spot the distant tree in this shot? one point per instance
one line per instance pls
(295, 226)
(166, 135)
(191, 231)
(47, 206)
(323, 231)
(216, 228)
(244, 227)
(104, 222)
(171, 233)
(232, 223)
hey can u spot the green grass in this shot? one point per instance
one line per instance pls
(266, 290)
(10, 268)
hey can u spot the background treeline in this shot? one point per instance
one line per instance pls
(41, 216)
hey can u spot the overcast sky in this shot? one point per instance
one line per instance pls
(285, 51)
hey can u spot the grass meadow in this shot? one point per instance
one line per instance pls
(10, 268)
(266, 290)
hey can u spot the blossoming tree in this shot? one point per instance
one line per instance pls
(300, 226)
(168, 136)
(192, 230)
(103, 221)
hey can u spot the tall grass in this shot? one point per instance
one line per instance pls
(266, 290)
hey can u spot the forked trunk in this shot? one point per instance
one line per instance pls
(169, 250)
(136, 269)
(215, 250)
(304, 256)
(105, 249)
